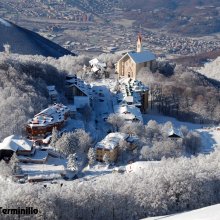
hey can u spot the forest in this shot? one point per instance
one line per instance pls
(174, 185)
(176, 182)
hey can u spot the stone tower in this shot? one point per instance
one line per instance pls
(139, 43)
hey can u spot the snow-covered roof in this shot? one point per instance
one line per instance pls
(131, 88)
(96, 62)
(128, 112)
(174, 132)
(37, 157)
(93, 61)
(142, 57)
(95, 69)
(81, 85)
(16, 143)
(111, 141)
(96, 65)
(49, 116)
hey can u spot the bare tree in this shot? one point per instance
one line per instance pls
(116, 121)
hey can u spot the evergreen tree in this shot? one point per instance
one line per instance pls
(14, 163)
(106, 159)
(91, 156)
(54, 137)
(72, 163)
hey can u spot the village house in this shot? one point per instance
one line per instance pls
(109, 145)
(15, 144)
(97, 65)
(78, 91)
(53, 94)
(132, 62)
(43, 123)
(129, 113)
(175, 134)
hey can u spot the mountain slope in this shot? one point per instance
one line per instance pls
(24, 41)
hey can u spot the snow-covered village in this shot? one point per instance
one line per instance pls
(124, 135)
(108, 125)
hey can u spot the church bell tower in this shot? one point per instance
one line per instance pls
(139, 43)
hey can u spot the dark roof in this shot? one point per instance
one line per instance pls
(142, 57)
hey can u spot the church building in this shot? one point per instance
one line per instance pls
(132, 62)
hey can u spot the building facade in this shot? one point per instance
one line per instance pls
(43, 123)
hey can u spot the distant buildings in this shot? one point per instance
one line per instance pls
(132, 62)
(44, 122)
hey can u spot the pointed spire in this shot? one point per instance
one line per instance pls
(139, 43)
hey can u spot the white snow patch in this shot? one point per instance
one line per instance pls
(211, 69)
(207, 213)
(5, 23)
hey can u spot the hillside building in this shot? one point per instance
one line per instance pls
(132, 62)
(43, 123)
(133, 92)
(79, 92)
(109, 145)
(53, 94)
(15, 144)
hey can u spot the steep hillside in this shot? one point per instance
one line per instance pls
(23, 41)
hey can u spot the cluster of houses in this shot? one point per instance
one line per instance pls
(130, 103)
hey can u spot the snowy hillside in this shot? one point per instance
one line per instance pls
(211, 69)
(26, 42)
(207, 213)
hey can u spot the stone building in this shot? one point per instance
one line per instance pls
(132, 62)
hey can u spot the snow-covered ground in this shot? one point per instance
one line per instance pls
(211, 69)
(99, 169)
(207, 213)
(52, 166)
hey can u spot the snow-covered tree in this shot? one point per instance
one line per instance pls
(135, 128)
(122, 147)
(116, 121)
(192, 142)
(14, 163)
(106, 159)
(91, 156)
(5, 169)
(54, 137)
(72, 164)
(70, 142)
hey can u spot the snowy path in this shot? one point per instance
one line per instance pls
(103, 108)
